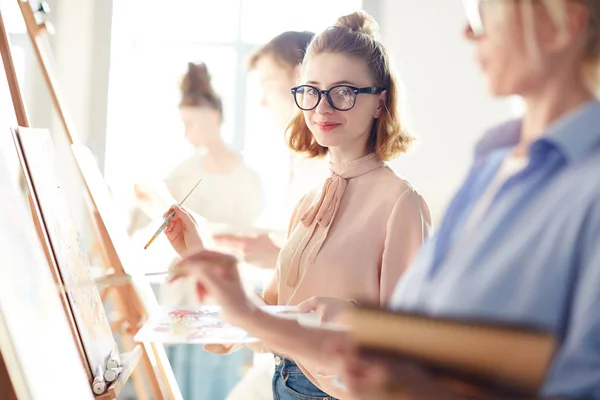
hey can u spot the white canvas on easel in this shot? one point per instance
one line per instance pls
(37, 152)
(155, 377)
(35, 337)
(114, 228)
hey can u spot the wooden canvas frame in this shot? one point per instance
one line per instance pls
(133, 301)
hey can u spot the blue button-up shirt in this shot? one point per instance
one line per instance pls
(534, 257)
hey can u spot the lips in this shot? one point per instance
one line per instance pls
(327, 126)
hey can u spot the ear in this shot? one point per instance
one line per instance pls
(568, 32)
(578, 20)
(380, 104)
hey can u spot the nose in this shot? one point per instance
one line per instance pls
(263, 101)
(324, 107)
(468, 32)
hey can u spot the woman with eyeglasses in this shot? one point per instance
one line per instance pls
(520, 242)
(352, 238)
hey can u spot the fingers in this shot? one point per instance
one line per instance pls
(208, 256)
(258, 299)
(174, 225)
(171, 209)
(215, 274)
(339, 347)
(217, 348)
(309, 305)
(201, 292)
(176, 272)
(207, 263)
(180, 213)
(361, 374)
(187, 214)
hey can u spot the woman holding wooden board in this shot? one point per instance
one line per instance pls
(230, 193)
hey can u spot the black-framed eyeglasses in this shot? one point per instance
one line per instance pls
(339, 97)
(475, 10)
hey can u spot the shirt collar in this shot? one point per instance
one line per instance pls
(577, 133)
(500, 137)
(352, 169)
(574, 134)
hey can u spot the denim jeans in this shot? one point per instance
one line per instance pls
(289, 383)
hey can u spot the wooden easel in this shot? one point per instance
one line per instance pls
(39, 357)
(52, 259)
(132, 301)
(71, 269)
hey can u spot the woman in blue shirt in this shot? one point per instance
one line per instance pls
(520, 241)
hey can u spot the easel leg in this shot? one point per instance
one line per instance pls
(139, 383)
(6, 388)
(149, 361)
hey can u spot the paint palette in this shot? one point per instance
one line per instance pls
(203, 325)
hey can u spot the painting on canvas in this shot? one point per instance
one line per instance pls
(40, 157)
(35, 335)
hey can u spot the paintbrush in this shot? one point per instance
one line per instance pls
(170, 217)
(119, 280)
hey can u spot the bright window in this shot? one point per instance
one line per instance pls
(17, 34)
(152, 42)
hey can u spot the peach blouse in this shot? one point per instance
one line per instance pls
(350, 240)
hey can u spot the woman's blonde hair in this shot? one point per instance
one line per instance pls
(557, 10)
(357, 35)
(197, 89)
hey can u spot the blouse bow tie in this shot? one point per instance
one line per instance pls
(325, 208)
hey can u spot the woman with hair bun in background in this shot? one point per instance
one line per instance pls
(230, 194)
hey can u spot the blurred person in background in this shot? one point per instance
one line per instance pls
(230, 194)
(277, 64)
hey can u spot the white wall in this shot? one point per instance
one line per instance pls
(449, 106)
(80, 50)
(446, 93)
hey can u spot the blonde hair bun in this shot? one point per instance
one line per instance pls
(360, 22)
(196, 81)
(197, 90)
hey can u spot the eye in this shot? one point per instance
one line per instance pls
(312, 91)
(343, 91)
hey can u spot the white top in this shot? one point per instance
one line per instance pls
(510, 166)
(234, 198)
